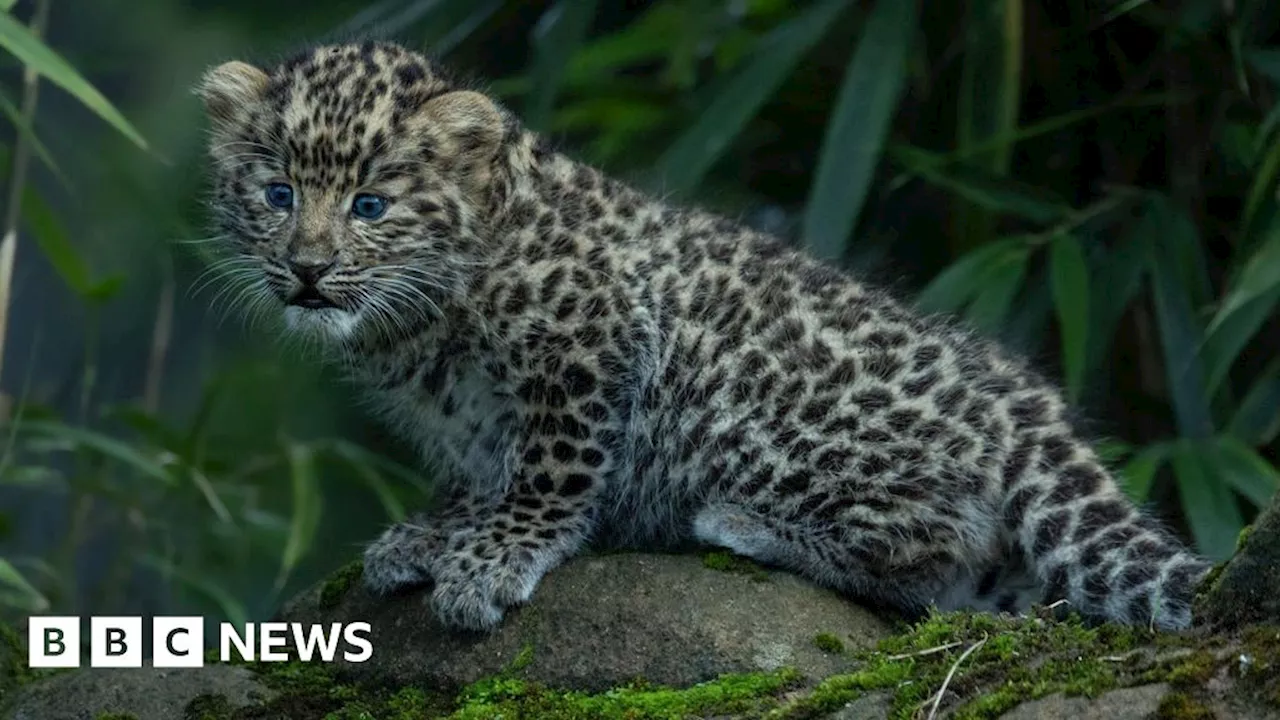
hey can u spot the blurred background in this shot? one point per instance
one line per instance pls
(1093, 182)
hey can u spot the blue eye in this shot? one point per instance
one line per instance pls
(368, 206)
(280, 195)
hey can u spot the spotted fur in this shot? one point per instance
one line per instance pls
(584, 363)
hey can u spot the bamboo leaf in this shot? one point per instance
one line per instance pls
(1003, 195)
(989, 93)
(1257, 417)
(1024, 329)
(1180, 240)
(75, 439)
(1112, 450)
(689, 158)
(17, 593)
(1071, 299)
(1227, 338)
(1180, 335)
(858, 127)
(1137, 475)
(1242, 468)
(957, 285)
(33, 476)
(1011, 136)
(991, 306)
(1210, 508)
(24, 128)
(232, 609)
(1120, 275)
(39, 57)
(306, 509)
(401, 474)
(556, 38)
(364, 464)
(1259, 276)
(52, 240)
(1264, 180)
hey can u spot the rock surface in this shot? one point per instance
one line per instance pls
(139, 693)
(1248, 588)
(1135, 702)
(602, 621)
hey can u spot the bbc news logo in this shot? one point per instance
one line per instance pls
(178, 642)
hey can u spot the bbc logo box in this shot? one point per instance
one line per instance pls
(115, 642)
(53, 642)
(178, 642)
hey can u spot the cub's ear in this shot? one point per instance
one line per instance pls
(229, 88)
(466, 130)
(468, 125)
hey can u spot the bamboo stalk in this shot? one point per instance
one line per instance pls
(17, 183)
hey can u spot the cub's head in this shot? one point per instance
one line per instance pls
(351, 183)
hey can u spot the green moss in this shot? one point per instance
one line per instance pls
(208, 706)
(1243, 537)
(115, 716)
(1180, 706)
(1009, 661)
(409, 703)
(727, 695)
(336, 587)
(13, 658)
(828, 643)
(835, 692)
(1194, 671)
(1201, 605)
(312, 691)
(522, 660)
(1259, 663)
(724, 561)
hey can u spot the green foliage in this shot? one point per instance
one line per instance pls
(828, 643)
(1114, 215)
(38, 57)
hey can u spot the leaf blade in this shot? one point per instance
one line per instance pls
(16, 592)
(306, 510)
(558, 34)
(1241, 467)
(1071, 301)
(992, 303)
(1211, 511)
(1138, 475)
(39, 57)
(956, 285)
(852, 147)
(689, 158)
(1180, 335)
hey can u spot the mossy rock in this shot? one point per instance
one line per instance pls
(601, 621)
(653, 637)
(140, 693)
(13, 667)
(1246, 590)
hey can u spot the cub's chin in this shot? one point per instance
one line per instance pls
(328, 323)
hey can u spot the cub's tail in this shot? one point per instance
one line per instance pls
(1089, 545)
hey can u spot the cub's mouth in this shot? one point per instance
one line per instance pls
(311, 298)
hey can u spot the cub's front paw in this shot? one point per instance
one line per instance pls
(467, 605)
(398, 559)
(474, 594)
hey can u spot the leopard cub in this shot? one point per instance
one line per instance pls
(583, 363)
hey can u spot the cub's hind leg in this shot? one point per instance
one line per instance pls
(875, 563)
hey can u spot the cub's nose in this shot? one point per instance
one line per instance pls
(309, 273)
